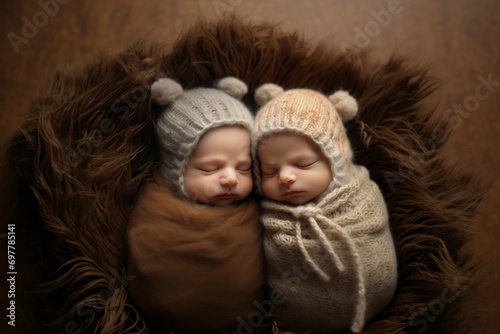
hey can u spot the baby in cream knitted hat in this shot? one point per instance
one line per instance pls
(327, 241)
(194, 237)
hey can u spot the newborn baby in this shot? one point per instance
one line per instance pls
(327, 241)
(194, 238)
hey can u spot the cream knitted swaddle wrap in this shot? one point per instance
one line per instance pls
(332, 259)
(344, 249)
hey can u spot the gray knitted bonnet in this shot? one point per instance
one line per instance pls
(189, 114)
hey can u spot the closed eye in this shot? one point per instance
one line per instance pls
(306, 164)
(208, 169)
(244, 169)
(269, 174)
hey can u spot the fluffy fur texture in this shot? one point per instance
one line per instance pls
(89, 143)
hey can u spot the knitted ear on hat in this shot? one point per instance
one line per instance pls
(266, 93)
(232, 87)
(345, 104)
(165, 91)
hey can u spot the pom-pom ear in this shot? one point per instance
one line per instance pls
(232, 86)
(165, 91)
(345, 104)
(266, 93)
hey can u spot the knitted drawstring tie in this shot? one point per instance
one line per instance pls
(312, 215)
(308, 213)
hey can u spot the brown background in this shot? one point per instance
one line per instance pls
(457, 39)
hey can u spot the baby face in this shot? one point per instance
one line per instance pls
(219, 170)
(293, 168)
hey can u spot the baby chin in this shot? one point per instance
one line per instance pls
(225, 199)
(296, 197)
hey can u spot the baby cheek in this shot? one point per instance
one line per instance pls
(210, 187)
(267, 187)
(246, 183)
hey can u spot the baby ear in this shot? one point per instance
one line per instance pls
(266, 93)
(345, 104)
(165, 91)
(232, 86)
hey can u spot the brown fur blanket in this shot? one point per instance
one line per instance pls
(195, 267)
(74, 172)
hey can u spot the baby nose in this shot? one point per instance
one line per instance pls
(286, 177)
(229, 179)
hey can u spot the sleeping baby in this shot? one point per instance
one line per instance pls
(324, 218)
(194, 240)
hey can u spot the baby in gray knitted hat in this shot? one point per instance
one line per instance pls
(194, 239)
(327, 243)
(204, 139)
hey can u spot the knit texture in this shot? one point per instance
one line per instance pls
(344, 248)
(311, 114)
(183, 122)
(342, 238)
(71, 212)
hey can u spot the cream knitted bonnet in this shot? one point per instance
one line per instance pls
(187, 115)
(312, 114)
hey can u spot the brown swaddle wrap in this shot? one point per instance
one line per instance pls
(196, 267)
